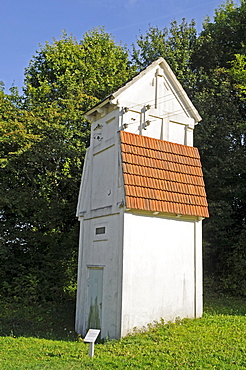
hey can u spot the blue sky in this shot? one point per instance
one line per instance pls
(27, 23)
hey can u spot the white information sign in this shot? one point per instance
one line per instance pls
(91, 337)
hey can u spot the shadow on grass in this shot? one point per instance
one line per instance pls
(55, 320)
(216, 302)
(48, 321)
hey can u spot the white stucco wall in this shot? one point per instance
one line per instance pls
(103, 251)
(198, 270)
(158, 270)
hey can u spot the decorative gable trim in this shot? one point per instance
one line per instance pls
(177, 88)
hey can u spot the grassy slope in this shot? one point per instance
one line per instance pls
(217, 341)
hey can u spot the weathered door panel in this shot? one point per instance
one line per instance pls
(94, 298)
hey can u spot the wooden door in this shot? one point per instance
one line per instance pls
(94, 298)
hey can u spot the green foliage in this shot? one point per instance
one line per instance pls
(221, 39)
(221, 140)
(89, 69)
(45, 135)
(214, 79)
(234, 267)
(216, 341)
(176, 45)
(238, 74)
(15, 128)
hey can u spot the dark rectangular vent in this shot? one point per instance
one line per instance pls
(100, 230)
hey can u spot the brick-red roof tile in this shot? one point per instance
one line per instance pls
(161, 176)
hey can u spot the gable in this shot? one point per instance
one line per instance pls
(156, 86)
(161, 176)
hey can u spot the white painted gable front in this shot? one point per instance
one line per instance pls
(135, 267)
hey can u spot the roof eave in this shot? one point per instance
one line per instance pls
(101, 104)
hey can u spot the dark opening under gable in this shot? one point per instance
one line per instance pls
(161, 176)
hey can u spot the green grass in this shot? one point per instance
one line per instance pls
(216, 341)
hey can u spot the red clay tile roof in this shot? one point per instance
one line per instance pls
(161, 176)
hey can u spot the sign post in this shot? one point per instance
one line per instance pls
(91, 337)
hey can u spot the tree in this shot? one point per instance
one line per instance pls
(95, 66)
(15, 134)
(16, 138)
(238, 74)
(41, 183)
(221, 39)
(176, 45)
(215, 81)
(221, 140)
